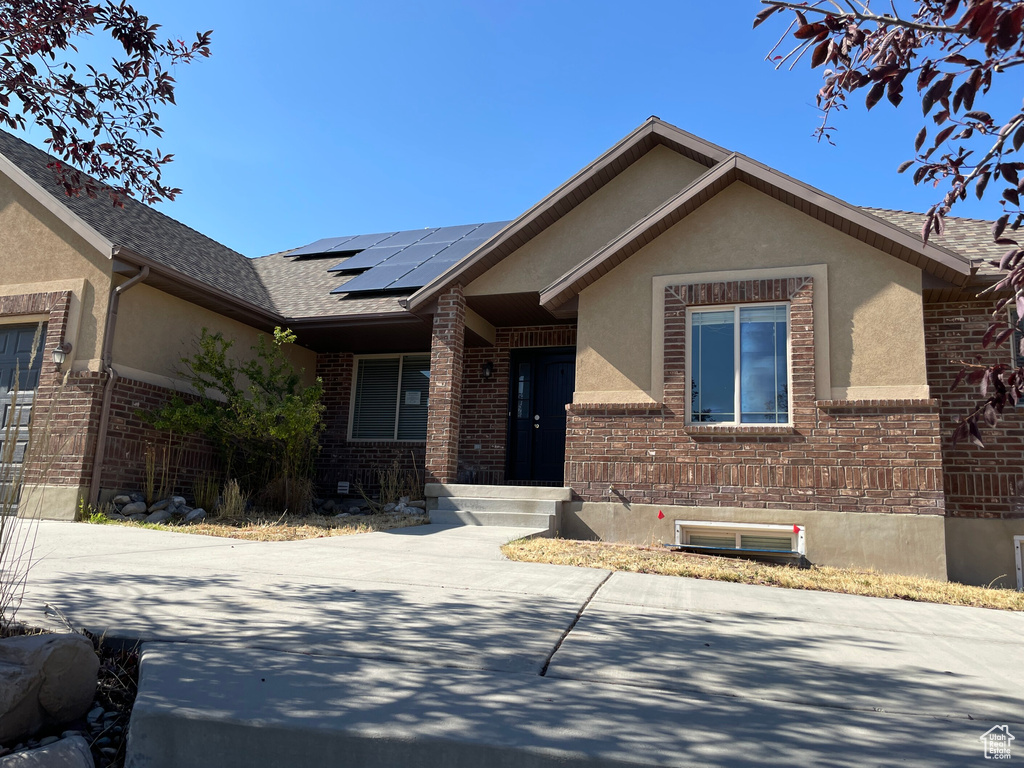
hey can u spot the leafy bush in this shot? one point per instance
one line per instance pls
(264, 423)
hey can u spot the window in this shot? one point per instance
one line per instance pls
(739, 364)
(784, 539)
(389, 401)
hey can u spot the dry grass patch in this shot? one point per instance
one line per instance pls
(264, 528)
(637, 559)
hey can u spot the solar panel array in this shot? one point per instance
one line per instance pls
(393, 261)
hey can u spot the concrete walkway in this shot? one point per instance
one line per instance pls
(424, 646)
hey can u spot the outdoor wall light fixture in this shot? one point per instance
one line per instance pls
(487, 370)
(60, 354)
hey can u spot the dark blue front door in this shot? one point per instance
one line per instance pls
(542, 384)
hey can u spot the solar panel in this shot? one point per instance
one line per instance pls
(488, 230)
(416, 253)
(408, 237)
(367, 259)
(377, 279)
(321, 246)
(362, 242)
(420, 276)
(449, 234)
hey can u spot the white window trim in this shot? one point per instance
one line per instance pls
(736, 365)
(796, 532)
(398, 399)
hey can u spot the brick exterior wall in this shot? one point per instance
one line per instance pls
(873, 456)
(355, 463)
(447, 358)
(979, 482)
(130, 436)
(485, 403)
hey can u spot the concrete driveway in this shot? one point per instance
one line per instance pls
(424, 646)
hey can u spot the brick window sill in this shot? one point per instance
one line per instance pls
(920, 404)
(739, 429)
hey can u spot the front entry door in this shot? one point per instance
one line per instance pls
(542, 384)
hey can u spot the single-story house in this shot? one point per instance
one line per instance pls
(677, 329)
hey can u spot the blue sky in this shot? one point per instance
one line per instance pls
(317, 119)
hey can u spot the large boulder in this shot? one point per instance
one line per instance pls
(44, 679)
(135, 508)
(71, 752)
(159, 517)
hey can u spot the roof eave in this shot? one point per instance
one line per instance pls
(240, 309)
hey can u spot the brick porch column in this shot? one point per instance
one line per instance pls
(444, 409)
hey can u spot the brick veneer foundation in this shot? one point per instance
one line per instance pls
(979, 482)
(868, 456)
(485, 402)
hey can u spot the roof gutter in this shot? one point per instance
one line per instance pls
(107, 364)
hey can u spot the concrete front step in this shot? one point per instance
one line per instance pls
(536, 506)
(549, 523)
(232, 707)
(460, 490)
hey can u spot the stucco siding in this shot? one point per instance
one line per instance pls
(41, 254)
(611, 210)
(875, 341)
(155, 330)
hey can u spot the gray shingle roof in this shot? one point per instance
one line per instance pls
(147, 231)
(969, 237)
(301, 287)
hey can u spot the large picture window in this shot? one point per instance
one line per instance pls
(390, 398)
(739, 364)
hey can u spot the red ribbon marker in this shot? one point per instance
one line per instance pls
(661, 515)
(796, 529)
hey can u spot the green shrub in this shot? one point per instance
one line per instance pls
(264, 423)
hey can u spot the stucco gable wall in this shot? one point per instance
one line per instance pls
(39, 254)
(607, 213)
(875, 343)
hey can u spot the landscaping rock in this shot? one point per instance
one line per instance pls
(159, 517)
(390, 507)
(44, 679)
(404, 500)
(115, 516)
(72, 752)
(137, 496)
(134, 508)
(138, 518)
(355, 510)
(341, 514)
(179, 511)
(328, 505)
(196, 515)
(121, 499)
(178, 501)
(158, 505)
(420, 504)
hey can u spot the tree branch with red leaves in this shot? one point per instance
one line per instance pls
(97, 120)
(950, 50)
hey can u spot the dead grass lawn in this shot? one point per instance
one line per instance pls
(637, 559)
(265, 528)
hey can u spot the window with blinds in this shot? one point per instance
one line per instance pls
(390, 398)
